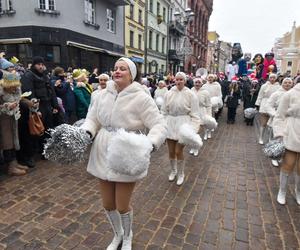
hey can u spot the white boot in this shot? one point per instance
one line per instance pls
(205, 135)
(282, 188)
(191, 151)
(196, 152)
(261, 135)
(127, 225)
(209, 134)
(173, 173)
(180, 176)
(275, 163)
(114, 218)
(297, 188)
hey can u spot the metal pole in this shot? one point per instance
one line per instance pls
(146, 37)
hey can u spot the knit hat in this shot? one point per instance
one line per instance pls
(4, 64)
(10, 80)
(38, 60)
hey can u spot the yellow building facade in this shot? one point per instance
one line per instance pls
(135, 32)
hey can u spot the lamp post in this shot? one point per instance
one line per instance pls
(184, 19)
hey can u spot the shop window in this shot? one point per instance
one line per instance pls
(50, 53)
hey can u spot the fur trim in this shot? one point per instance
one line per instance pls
(129, 153)
(210, 122)
(189, 137)
(159, 101)
(216, 103)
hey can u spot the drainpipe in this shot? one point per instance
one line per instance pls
(168, 38)
(146, 37)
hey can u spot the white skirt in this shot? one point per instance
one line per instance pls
(174, 123)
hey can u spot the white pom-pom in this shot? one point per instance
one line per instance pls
(210, 122)
(216, 103)
(250, 113)
(129, 153)
(159, 101)
(189, 137)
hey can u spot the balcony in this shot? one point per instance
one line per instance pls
(176, 28)
(172, 55)
(119, 2)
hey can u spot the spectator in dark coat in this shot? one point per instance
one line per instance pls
(38, 84)
(233, 97)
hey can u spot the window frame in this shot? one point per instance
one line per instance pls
(158, 8)
(164, 14)
(157, 42)
(151, 6)
(163, 41)
(131, 39)
(47, 5)
(140, 38)
(140, 20)
(150, 39)
(131, 11)
(93, 11)
(111, 20)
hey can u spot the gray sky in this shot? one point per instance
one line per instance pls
(254, 23)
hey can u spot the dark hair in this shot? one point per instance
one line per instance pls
(138, 77)
(58, 70)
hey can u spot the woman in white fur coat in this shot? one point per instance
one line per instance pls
(286, 125)
(205, 108)
(160, 92)
(264, 94)
(123, 104)
(215, 91)
(180, 107)
(273, 103)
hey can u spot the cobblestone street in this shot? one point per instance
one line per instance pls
(228, 201)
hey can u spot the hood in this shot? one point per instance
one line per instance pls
(174, 88)
(132, 88)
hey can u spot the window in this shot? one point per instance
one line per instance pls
(157, 42)
(110, 20)
(151, 6)
(171, 14)
(290, 64)
(150, 39)
(163, 45)
(89, 10)
(47, 5)
(1, 10)
(162, 68)
(164, 14)
(140, 16)
(158, 9)
(131, 11)
(140, 42)
(131, 39)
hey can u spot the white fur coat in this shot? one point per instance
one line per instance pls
(264, 94)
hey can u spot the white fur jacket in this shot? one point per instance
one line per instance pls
(286, 122)
(131, 109)
(214, 89)
(204, 101)
(264, 94)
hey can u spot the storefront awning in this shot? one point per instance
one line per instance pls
(16, 40)
(94, 49)
(137, 59)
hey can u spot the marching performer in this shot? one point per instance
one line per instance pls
(122, 105)
(180, 107)
(264, 94)
(286, 125)
(160, 92)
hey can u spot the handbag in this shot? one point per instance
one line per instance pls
(35, 124)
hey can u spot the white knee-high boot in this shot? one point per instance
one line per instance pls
(297, 188)
(127, 225)
(282, 188)
(205, 134)
(180, 175)
(173, 173)
(261, 135)
(114, 218)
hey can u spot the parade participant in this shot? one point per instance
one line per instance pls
(269, 65)
(250, 93)
(273, 103)
(286, 125)
(264, 94)
(259, 65)
(215, 92)
(160, 92)
(204, 103)
(180, 107)
(233, 96)
(123, 104)
(10, 95)
(103, 78)
(231, 70)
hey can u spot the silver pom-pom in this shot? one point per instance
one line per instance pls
(274, 149)
(67, 145)
(250, 113)
(79, 122)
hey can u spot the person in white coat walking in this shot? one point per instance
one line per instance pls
(160, 92)
(273, 103)
(122, 105)
(180, 107)
(264, 94)
(286, 126)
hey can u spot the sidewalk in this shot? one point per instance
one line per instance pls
(228, 201)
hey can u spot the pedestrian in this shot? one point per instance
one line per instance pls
(286, 125)
(123, 104)
(205, 108)
(264, 94)
(10, 95)
(231, 70)
(232, 100)
(180, 107)
(250, 93)
(42, 97)
(273, 103)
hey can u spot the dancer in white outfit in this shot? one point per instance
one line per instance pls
(160, 92)
(180, 107)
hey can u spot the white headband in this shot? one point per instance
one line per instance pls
(182, 74)
(131, 65)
